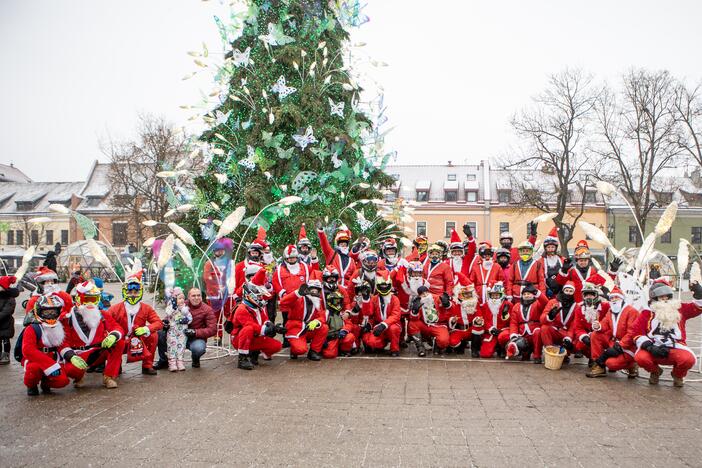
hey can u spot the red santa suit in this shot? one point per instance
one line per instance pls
(520, 276)
(288, 278)
(248, 331)
(585, 317)
(614, 328)
(440, 278)
(41, 355)
(460, 266)
(344, 264)
(301, 311)
(562, 327)
(383, 309)
(85, 338)
(460, 318)
(482, 278)
(240, 273)
(427, 322)
(526, 321)
(496, 318)
(345, 344)
(130, 317)
(648, 327)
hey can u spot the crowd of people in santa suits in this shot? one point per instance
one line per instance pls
(499, 303)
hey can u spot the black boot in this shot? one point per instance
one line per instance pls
(313, 356)
(245, 362)
(45, 389)
(159, 365)
(254, 357)
(419, 344)
(196, 363)
(461, 348)
(476, 341)
(33, 391)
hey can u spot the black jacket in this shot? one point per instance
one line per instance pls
(7, 308)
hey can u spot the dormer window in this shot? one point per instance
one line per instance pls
(24, 206)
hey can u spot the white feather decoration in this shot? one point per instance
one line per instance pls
(666, 221)
(594, 233)
(19, 274)
(149, 242)
(182, 233)
(605, 188)
(29, 254)
(166, 252)
(134, 268)
(544, 218)
(231, 222)
(683, 256)
(695, 274)
(97, 253)
(184, 253)
(644, 250)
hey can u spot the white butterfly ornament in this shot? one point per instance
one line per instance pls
(304, 140)
(282, 89)
(336, 109)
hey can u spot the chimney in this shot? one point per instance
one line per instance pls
(449, 164)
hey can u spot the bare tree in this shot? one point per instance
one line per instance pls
(639, 132)
(553, 131)
(688, 114)
(135, 189)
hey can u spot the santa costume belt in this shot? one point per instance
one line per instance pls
(48, 350)
(84, 348)
(523, 283)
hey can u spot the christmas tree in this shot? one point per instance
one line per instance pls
(289, 122)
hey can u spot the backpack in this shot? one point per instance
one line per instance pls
(18, 344)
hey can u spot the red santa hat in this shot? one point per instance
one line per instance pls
(134, 277)
(456, 242)
(389, 243)
(342, 235)
(290, 251)
(6, 282)
(314, 283)
(582, 249)
(569, 284)
(44, 274)
(259, 278)
(616, 292)
(302, 237)
(552, 237)
(252, 268)
(260, 241)
(596, 279)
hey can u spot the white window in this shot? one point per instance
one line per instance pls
(471, 177)
(421, 228)
(452, 177)
(450, 226)
(471, 196)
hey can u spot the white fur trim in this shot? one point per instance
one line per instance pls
(52, 369)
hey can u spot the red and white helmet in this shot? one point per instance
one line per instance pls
(87, 293)
(290, 251)
(415, 267)
(389, 243)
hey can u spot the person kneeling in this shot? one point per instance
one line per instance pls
(424, 322)
(383, 312)
(306, 320)
(340, 338)
(251, 331)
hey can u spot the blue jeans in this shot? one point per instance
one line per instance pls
(197, 347)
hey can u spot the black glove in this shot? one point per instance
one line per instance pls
(332, 335)
(303, 290)
(568, 345)
(553, 312)
(189, 332)
(696, 289)
(532, 229)
(467, 231)
(416, 304)
(618, 348)
(586, 340)
(379, 329)
(445, 300)
(494, 331)
(646, 346)
(659, 351)
(615, 264)
(343, 333)
(356, 309)
(567, 263)
(166, 325)
(280, 329)
(366, 328)
(228, 327)
(269, 329)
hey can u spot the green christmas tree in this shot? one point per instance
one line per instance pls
(288, 123)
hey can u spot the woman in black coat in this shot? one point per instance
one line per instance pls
(50, 260)
(8, 293)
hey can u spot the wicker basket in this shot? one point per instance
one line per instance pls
(554, 357)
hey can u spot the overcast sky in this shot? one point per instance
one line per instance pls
(75, 72)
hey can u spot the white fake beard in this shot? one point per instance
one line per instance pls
(51, 288)
(428, 302)
(667, 313)
(343, 250)
(52, 336)
(494, 304)
(369, 274)
(316, 301)
(468, 305)
(616, 306)
(91, 316)
(391, 259)
(132, 309)
(293, 268)
(590, 313)
(457, 263)
(487, 264)
(268, 258)
(386, 299)
(414, 284)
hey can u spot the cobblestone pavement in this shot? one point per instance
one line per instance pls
(354, 412)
